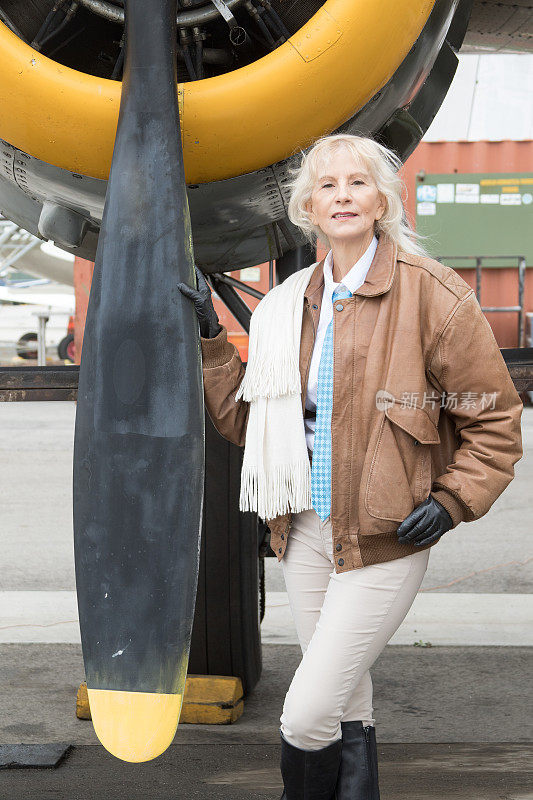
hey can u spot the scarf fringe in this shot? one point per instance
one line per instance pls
(276, 473)
(271, 378)
(286, 487)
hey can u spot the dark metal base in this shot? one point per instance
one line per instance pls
(23, 756)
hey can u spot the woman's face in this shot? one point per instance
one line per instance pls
(345, 201)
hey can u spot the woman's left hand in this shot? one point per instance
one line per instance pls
(425, 524)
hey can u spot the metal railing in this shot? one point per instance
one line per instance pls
(521, 280)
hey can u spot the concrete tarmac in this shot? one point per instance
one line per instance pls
(421, 694)
(491, 555)
(453, 719)
(246, 772)
(451, 722)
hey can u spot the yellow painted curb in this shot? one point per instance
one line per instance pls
(207, 700)
(82, 702)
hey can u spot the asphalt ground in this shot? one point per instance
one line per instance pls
(490, 555)
(242, 772)
(421, 694)
(451, 722)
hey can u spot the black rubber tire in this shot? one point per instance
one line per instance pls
(62, 348)
(22, 346)
(226, 638)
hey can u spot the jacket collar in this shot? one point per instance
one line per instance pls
(379, 277)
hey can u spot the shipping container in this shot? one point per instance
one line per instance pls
(490, 214)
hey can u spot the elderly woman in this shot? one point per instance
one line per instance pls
(360, 451)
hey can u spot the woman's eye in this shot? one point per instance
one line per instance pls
(328, 185)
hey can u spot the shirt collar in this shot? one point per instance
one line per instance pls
(357, 274)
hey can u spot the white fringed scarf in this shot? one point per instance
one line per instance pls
(276, 473)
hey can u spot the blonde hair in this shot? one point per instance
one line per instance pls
(382, 164)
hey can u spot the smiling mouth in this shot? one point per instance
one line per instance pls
(344, 215)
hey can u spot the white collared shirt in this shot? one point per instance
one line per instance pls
(352, 281)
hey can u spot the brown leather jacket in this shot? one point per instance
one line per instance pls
(413, 327)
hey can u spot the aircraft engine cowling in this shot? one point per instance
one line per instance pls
(258, 81)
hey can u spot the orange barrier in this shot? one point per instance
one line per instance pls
(240, 340)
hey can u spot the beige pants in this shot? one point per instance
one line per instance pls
(343, 622)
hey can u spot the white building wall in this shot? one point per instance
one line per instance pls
(490, 99)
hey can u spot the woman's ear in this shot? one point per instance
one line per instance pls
(382, 207)
(309, 208)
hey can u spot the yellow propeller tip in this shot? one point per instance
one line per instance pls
(134, 726)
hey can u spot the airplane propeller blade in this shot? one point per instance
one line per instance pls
(139, 438)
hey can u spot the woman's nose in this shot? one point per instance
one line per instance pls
(343, 192)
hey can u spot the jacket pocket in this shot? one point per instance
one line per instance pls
(399, 469)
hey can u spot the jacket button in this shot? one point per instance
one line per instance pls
(282, 535)
(314, 305)
(279, 549)
(341, 562)
(416, 441)
(338, 547)
(339, 306)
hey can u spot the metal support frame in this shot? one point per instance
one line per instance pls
(61, 383)
(38, 383)
(43, 318)
(227, 279)
(224, 287)
(15, 242)
(279, 269)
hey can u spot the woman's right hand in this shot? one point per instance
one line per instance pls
(203, 303)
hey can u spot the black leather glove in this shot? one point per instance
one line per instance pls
(425, 524)
(201, 297)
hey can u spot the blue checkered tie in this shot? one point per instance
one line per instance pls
(321, 460)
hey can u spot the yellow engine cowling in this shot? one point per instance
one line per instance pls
(234, 123)
(357, 66)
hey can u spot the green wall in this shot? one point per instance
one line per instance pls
(476, 214)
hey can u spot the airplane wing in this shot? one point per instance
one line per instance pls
(54, 300)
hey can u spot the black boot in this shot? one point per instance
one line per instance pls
(309, 774)
(358, 773)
